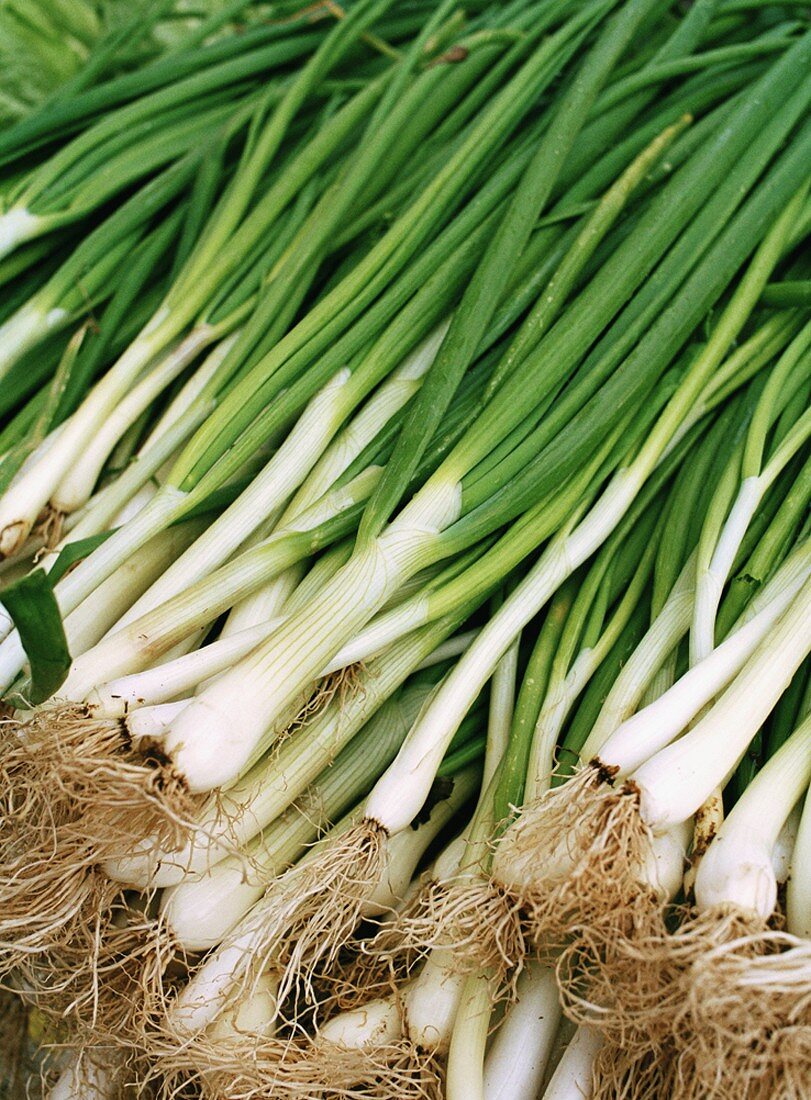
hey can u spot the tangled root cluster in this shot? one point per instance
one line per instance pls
(476, 917)
(62, 767)
(74, 940)
(573, 860)
(254, 1065)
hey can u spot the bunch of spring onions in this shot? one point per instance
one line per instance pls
(405, 462)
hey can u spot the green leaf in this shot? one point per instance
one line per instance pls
(73, 552)
(32, 605)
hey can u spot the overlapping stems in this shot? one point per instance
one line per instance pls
(394, 333)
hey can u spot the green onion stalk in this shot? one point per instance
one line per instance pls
(441, 987)
(434, 515)
(75, 579)
(604, 1000)
(380, 349)
(511, 456)
(196, 281)
(423, 1010)
(238, 414)
(214, 893)
(773, 244)
(12, 646)
(382, 812)
(584, 623)
(650, 453)
(604, 987)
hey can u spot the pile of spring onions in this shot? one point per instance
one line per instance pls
(405, 551)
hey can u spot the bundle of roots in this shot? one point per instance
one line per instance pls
(317, 906)
(60, 763)
(745, 1022)
(249, 1066)
(630, 987)
(575, 862)
(476, 917)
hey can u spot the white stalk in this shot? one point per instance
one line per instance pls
(383, 630)
(77, 484)
(454, 647)
(24, 329)
(798, 890)
(212, 740)
(388, 399)
(752, 490)
(518, 1055)
(676, 780)
(369, 1027)
(500, 710)
(784, 845)
(661, 682)
(397, 797)
(664, 865)
(21, 503)
(270, 787)
(191, 390)
(409, 608)
(202, 1001)
(270, 489)
(710, 581)
(87, 1078)
(176, 678)
(201, 913)
(628, 689)
(133, 506)
(738, 868)
(464, 1077)
(134, 647)
(404, 851)
(567, 684)
(110, 505)
(572, 1080)
(172, 678)
(651, 729)
(150, 724)
(431, 1000)
(96, 614)
(254, 1013)
(81, 581)
(264, 605)
(38, 453)
(17, 226)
